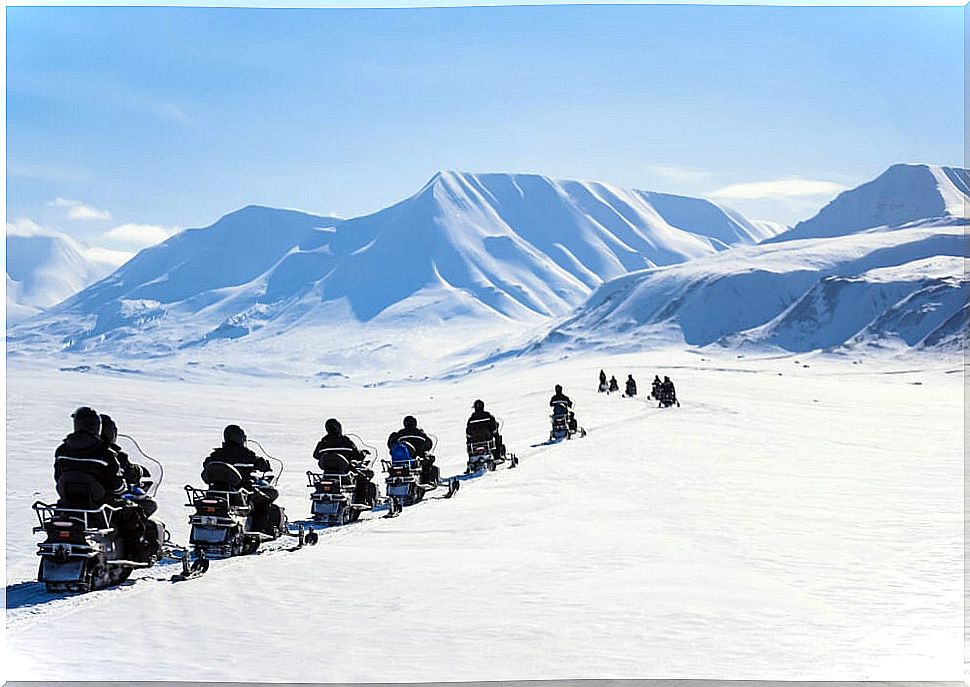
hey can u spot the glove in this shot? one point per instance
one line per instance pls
(133, 493)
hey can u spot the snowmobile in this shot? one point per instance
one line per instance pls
(407, 482)
(332, 500)
(85, 547)
(485, 454)
(666, 397)
(222, 524)
(603, 388)
(564, 424)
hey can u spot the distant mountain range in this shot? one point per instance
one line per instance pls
(43, 268)
(901, 194)
(881, 265)
(497, 246)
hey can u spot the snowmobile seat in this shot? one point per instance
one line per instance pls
(226, 478)
(80, 490)
(333, 463)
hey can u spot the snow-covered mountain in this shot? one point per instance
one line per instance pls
(903, 193)
(798, 295)
(851, 286)
(43, 268)
(497, 247)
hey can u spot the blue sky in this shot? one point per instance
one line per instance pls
(124, 124)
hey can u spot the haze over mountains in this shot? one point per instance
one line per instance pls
(43, 268)
(500, 255)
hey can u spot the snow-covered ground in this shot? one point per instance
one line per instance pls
(796, 518)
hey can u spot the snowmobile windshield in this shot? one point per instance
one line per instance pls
(364, 446)
(136, 455)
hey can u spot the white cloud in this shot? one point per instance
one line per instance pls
(139, 235)
(24, 226)
(170, 111)
(679, 174)
(78, 210)
(107, 256)
(789, 187)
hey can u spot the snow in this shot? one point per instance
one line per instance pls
(789, 521)
(799, 517)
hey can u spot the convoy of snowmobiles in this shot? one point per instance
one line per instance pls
(103, 527)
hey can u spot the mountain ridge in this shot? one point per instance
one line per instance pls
(512, 247)
(903, 193)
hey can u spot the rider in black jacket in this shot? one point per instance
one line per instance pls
(482, 426)
(420, 444)
(82, 455)
(631, 386)
(561, 403)
(334, 443)
(267, 516)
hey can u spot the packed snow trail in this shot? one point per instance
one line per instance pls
(785, 522)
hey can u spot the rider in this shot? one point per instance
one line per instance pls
(482, 426)
(82, 456)
(655, 387)
(267, 516)
(631, 386)
(334, 443)
(602, 386)
(667, 390)
(561, 403)
(133, 473)
(419, 444)
(143, 535)
(614, 385)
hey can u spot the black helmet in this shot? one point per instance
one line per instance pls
(234, 434)
(333, 426)
(629, 376)
(109, 430)
(479, 405)
(666, 378)
(558, 388)
(410, 422)
(86, 420)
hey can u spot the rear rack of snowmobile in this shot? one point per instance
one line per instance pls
(47, 513)
(225, 495)
(313, 478)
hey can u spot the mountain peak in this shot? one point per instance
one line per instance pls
(903, 193)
